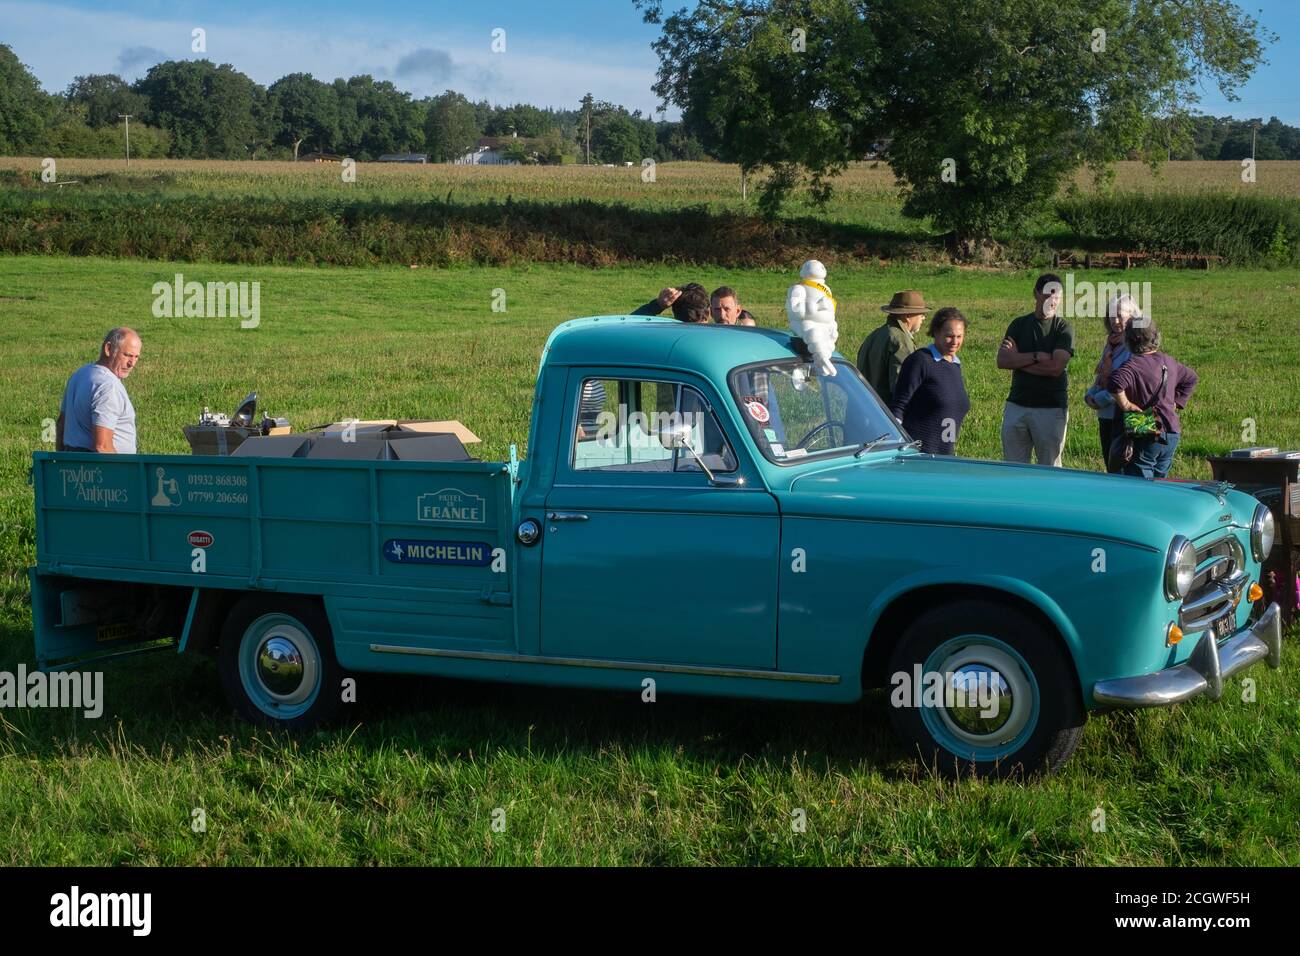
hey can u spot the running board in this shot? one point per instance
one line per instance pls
(608, 665)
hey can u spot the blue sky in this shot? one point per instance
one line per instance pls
(556, 50)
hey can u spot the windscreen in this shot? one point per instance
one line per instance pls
(794, 414)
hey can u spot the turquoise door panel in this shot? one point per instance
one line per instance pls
(676, 576)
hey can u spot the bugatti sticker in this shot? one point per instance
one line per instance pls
(200, 539)
(451, 505)
(474, 554)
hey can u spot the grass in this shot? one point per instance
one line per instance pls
(593, 778)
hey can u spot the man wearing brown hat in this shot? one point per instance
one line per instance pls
(884, 350)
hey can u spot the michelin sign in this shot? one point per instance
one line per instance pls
(469, 553)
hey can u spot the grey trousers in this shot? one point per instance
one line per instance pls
(1040, 431)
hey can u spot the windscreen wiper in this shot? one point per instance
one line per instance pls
(866, 446)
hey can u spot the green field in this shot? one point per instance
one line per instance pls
(592, 778)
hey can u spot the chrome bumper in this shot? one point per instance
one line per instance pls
(1202, 673)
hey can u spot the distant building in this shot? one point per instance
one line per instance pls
(488, 151)
(404, 158)
(319, 158)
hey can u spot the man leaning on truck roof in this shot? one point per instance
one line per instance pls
(96, 413)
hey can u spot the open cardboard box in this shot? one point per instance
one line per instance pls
(382, 439)
(391, 427)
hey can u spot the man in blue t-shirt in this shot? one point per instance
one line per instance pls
(96, 413)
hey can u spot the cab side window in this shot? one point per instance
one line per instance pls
(619, 422)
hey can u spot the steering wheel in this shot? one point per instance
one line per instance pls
(803, 442)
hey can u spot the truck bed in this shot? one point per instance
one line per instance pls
(383, 542)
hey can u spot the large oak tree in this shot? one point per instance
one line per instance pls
(985, 106)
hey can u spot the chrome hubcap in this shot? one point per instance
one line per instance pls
(981, 699)
(988, 699)
(286, 674)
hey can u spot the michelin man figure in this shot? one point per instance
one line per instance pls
(810, 309)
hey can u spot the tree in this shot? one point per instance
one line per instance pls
(106, 97)
(676, 143)
(451, 128)
(300, 108)
(622, 137)
(986, 109)
(210, 111)
(377, 118)
(781, 85)
(70, 135)
(25, 108)
(521, 120)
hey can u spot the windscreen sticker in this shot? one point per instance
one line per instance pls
(777, 449)
(758, 412)
(796, 452)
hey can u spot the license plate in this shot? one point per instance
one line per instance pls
(115, 632)
(1224, 627)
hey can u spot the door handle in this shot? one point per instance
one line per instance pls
(565, 516)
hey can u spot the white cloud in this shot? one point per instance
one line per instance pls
(60, 42)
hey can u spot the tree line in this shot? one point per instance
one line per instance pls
(195, 109)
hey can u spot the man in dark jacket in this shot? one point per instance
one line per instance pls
(886, 349)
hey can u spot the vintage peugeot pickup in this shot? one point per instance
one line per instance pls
(698, 508)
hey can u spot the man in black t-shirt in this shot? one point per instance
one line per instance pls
(1037, 350)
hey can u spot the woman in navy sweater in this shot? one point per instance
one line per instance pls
(930, 398)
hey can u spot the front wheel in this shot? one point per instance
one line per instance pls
(981, 687)
(277, 664)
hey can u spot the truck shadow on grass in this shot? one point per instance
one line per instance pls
(164, 706)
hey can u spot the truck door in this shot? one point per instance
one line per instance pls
(644, 557)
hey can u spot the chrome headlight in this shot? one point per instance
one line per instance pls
(1261, 533)
(1180, 568)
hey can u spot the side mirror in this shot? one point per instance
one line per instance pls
(675, 436)
(678, 435)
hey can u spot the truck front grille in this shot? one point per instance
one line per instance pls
(1217, 586)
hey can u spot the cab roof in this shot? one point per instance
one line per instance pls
(655, 342)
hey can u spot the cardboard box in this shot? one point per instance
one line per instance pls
(423, 426)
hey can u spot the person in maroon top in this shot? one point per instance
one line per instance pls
(1137, 386)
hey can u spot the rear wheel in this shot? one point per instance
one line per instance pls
(979, 687)
(277, 664)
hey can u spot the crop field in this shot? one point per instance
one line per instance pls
(417, 770)
(675, 183)
(866, 194)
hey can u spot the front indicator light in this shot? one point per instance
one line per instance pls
(1173, 635)
(1255, 593)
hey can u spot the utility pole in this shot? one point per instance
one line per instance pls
(587, 104)
(1253, 130)
(127, 117)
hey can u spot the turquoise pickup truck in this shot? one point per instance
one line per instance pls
(697, 510)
